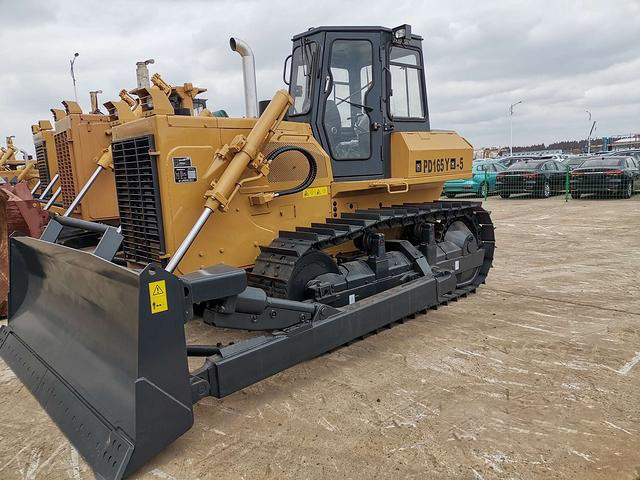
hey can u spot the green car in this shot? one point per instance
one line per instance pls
(482, 183)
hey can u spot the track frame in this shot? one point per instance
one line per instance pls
(237, 366)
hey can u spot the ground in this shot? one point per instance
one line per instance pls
(534, 377)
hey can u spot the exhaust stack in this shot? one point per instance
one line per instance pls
(248, 74)
(142, 73)
(94, 101)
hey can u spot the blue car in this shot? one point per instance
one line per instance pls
(482, 182)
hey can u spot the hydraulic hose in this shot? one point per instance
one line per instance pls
(313, 168)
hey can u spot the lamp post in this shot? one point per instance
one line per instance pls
(73, 75)
(511, 126)
(590, 132)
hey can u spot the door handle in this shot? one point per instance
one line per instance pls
(375, 126)
(328, 82)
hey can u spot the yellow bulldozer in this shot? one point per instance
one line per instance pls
(14, 170)
(46, 159)
(72, 157)
(312, 221)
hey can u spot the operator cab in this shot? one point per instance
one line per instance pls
(355, 86)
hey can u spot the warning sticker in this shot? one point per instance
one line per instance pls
(183, 171)
(315, 192)
(158, 297)
(181, 161)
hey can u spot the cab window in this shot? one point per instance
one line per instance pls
(406, 84)
(302, 61)
(346, 115)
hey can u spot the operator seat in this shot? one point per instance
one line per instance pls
(332, 122)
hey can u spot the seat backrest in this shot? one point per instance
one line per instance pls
(332, 119)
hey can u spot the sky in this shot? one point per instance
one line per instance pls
(560, 58)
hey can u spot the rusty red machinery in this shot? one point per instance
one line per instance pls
(23, 217)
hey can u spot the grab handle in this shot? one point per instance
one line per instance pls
(392, 187)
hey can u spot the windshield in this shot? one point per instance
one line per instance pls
(603, 162)
(481, 167)
(527, 165)
(575, 161)
(302, 61)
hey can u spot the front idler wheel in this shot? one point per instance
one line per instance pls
(307, 268)
(460, 235)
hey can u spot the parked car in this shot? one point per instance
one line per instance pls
(606, 174)
(508, 161)
(626, 153)
(574, 161)
(482, 181)
(538, 177)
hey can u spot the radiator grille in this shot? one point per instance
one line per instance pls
(138, 199)
(42, 163)
(65, 168)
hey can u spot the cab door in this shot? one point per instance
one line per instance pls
(350, 115)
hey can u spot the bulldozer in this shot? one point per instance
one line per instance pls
(46, 158)
(82, 143)
(19, 213)
(309, 223)
(26, 211)
(13, 169)
(88, 188)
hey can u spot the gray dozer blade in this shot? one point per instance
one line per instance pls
(83, 339)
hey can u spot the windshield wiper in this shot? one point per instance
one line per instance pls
(342, 100)
(366, 107)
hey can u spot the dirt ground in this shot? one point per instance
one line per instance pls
(535, 377)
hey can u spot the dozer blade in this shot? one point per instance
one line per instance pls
(82, 337)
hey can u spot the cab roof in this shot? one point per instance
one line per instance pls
(346, 28)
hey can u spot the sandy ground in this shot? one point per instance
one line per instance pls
(535, 377)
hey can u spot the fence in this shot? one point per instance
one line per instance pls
(611, 178)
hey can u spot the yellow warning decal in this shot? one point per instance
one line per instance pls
(315, 192)
(158, 297)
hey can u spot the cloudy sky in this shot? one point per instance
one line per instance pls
(559, 57)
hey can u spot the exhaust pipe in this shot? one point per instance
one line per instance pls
(248, 74)
(94, 102)
(142, 73)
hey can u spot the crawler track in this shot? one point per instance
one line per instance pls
(277, 261)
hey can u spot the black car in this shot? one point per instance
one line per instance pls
(508, 161)
(626, 153)
(609, 175)
(574, 162)
(538, 177)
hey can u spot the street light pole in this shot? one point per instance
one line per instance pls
(593, 126)
(73, 75)
(511, 126)
(589, 137)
